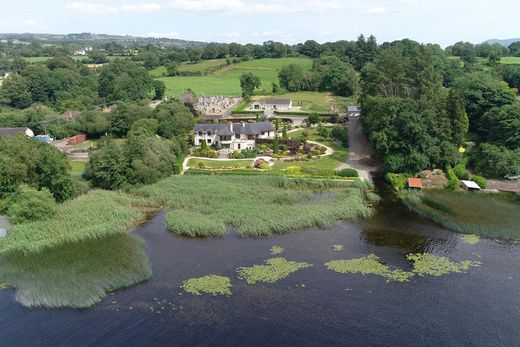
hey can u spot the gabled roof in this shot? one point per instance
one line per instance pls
(274, 101)
(12, 131)
(235, 128)
(415, 183)
(252, 128)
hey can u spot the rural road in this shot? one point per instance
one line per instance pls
(360, 151)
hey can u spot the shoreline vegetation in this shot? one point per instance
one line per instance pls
(89, 236)
(478, 214)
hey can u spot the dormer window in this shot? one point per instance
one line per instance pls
(209, 132)
(200, 133)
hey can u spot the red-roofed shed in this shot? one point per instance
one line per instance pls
(415, 183)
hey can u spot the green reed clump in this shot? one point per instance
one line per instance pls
(211, 284)
(75, 274)
(483, 214)
(274, 270)
(95, 215)
(470, 239)
(369, 265)
(204, 206)
(429, 264)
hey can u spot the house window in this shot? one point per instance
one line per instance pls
(263, 133)
(209, 141)
(200, 142)
(209, 133)
(200, 133)
(250, 137)
(237, 136)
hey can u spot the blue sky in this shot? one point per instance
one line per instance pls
(291, 21)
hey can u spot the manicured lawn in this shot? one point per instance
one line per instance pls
(330, 162)
(77, 168)
(220, 164)
(227, 80)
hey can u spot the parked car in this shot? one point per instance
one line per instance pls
(512, 177)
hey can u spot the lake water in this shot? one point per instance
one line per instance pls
(311, 307)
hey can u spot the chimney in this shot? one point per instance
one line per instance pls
(231, 126)
(243, 125)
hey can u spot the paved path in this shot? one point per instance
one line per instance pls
(360, 151)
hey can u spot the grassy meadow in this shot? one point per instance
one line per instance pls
(483, 214)
(226, 81)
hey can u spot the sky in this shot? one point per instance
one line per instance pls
(291, 21)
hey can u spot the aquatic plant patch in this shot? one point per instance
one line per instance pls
(211, 284)
(276, 250)
(274, 270)
(431, 265)
(338, 248)
(207, 206)
(76, 274)
(482, 214)
(470, 239)
(369, 265)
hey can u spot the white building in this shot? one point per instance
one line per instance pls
(13, 131)
(233, 136)
(470, 186)
(353, 111)
(273, 104)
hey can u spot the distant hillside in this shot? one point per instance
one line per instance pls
(504, 43)
(86, 38)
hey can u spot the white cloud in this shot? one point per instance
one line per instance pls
(208, 5)
(261, 7)
(144, 7)
(91, 8)
(376, 10)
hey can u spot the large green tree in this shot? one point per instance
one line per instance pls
(248, 83)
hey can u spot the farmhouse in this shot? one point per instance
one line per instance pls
(13, 131)
(233, 136)
(353, 111)
(273, 104)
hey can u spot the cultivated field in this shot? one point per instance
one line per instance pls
(226, 81)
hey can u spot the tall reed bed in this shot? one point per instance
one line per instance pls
(75, 274)
(484, 214)
(95, 215)
(207, 206)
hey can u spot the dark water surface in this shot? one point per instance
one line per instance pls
(311, 307)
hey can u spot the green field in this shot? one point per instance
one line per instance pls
(226, 81)
(316, 101)
(510, 60)
(203, 67)
(77, 168)
(220, 164)
(76, 58)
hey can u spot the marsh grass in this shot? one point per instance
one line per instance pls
(369, 265)
(75, 274)
(211, 284)
(483, 214)
(429, 264)
(275, 269)
(338, 248)
(92, 216)
(207, 206)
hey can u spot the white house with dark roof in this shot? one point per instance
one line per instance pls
(233, 136)
(353, 111)
(273, 104)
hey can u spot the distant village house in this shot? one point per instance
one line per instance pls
(353, 111)
(233, 136)
(470, 186)
(273, 104)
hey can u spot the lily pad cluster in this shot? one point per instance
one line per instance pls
(369, 265)
(470, 239)
(274, 270)
(211, 284)
(277, 250)
(429, 264)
